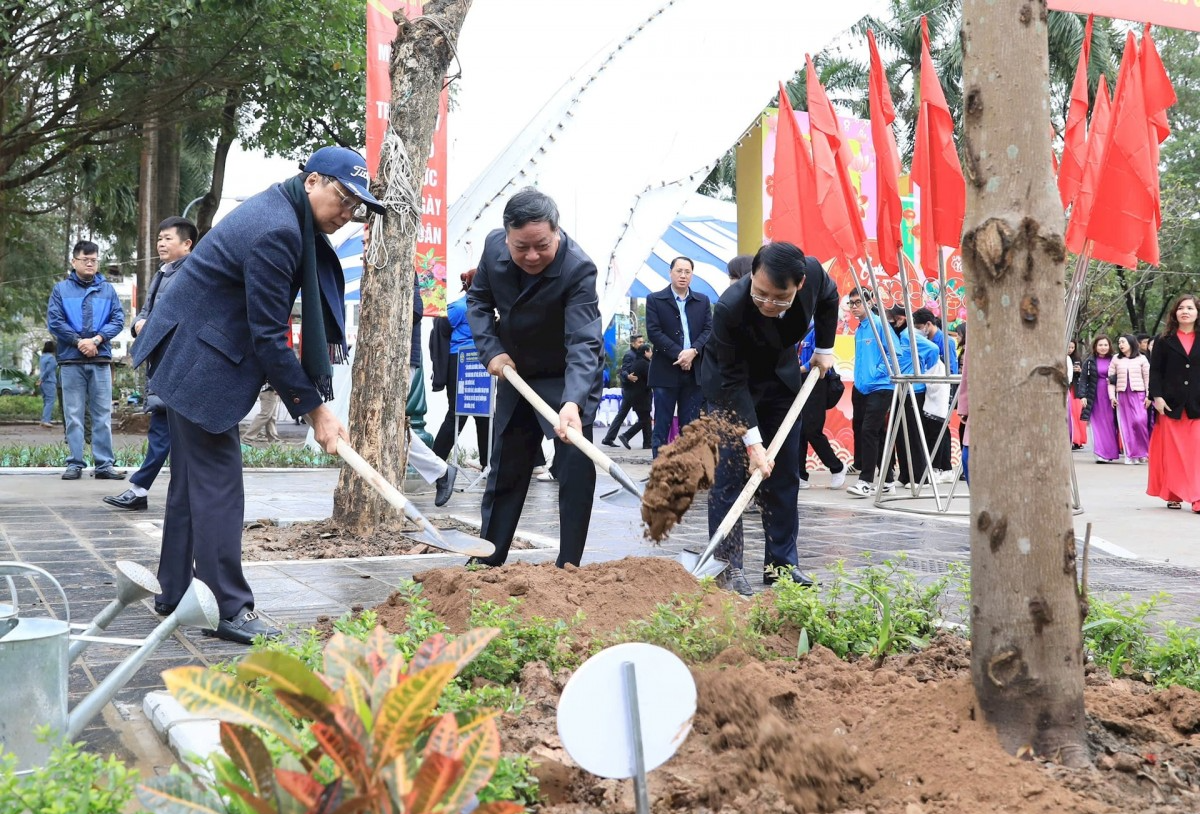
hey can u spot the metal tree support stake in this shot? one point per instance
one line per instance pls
(640, 792)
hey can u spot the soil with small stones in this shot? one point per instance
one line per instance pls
(324, 540)
(682, 468)
(822, 734)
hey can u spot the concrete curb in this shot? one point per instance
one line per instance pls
(189, 737)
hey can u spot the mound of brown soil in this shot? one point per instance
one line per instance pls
(821, 734)
(681, 469)
(324, 539)
(608, 593)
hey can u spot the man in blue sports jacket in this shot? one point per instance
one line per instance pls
(213, 339)
(84, 314)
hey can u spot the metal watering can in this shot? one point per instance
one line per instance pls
(36, 655)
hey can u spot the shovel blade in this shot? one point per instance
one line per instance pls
(454, 542)
(621, 498)
(688, 558)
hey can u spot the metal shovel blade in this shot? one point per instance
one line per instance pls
(688, 558)
(453, 541)
(623, 497)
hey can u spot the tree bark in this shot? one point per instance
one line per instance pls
(147, 248)
(166, 175)
(206, 210)
(1027, 609)
(421, 53)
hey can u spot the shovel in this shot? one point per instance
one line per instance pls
(452, 540)
(589, 449)
(697, 564)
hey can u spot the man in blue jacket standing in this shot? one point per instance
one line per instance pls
(872, 394)
(84, 314)
(217, 335)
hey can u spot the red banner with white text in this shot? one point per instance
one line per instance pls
(430, 256)
(1183, 14)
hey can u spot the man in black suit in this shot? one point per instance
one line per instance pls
(533, 307)
(753, 373)
(635, 395)
(679, 322)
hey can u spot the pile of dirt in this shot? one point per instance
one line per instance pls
(324, 539)
(822, 734)
(682, 468)
(608, 593)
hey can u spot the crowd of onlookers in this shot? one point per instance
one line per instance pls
(1139, 396)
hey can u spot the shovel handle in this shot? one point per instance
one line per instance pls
(573, 435)
(743, 499)
(380, 484)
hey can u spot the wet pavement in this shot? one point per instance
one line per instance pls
(66, 529)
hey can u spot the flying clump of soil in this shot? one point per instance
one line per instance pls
(681, 469)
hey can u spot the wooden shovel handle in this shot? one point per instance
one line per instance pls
(380, 484)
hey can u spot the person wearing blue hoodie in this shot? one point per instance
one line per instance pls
(910, 455)
(84, 314)
(872, 394)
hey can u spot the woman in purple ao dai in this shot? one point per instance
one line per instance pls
(1097, 407)
(1129, 385)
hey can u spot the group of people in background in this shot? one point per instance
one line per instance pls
(1141, 399)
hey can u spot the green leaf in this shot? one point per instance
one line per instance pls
(404, 709)
(222, 696)
(434, 779)
(479, 753)
(460, 652)
(283, 671)
(803, 646)
(178, 794)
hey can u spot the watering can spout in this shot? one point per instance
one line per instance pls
(134, 582)
(198, 608)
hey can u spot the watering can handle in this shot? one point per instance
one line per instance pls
(18, 569)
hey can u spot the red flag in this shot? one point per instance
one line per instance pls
(1160, 95)
(836, 196)
(794, 214)
(1075, 133)
(936, 168)
(887, 165)
(1126, 181)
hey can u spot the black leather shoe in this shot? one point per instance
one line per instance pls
(796, 574)
(108, 474)
(243, 628)
(608, 442)
(734, 579)
(445, 486)
(163, 609)
(625, 442)
(72, 473)
(128, 500)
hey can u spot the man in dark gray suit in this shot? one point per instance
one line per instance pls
(533, 306)
(212, 340)
(753, 372)
(679, 321)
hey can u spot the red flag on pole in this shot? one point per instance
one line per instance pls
(1070, 173)
(836, 196)
(1159, 95)
(887, 165)
(794, 214)
(935, 167)
(1126, 181)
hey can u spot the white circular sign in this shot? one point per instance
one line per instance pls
(593, 716)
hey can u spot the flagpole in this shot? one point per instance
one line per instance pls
(1075, 293)
(943, 302)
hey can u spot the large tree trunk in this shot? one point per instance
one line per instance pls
(206, 210)
(147, 243)
(421, 53)
(166, 175)
(1026, 609)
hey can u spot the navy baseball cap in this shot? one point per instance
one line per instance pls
(347, 166)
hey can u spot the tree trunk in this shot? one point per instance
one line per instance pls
(206, 210)
(421, 53)
(1026, 609)
(166, 175)
(147, 243)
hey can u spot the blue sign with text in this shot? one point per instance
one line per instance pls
(473, 391)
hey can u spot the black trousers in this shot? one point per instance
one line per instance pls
(812, 418)
(911, 456)
(870, 429)
(777, 494)
(443, 444)
(639, 403)
(202, 526)
(514, 453)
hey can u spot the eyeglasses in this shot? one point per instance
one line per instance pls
(854, 303)
(349, 202)
(88, 261)
(769, 301)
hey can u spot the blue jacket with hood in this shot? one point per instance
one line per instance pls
(79, 310)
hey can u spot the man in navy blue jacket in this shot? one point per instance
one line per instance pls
(678, 322)
(84, 314)
(212, 340)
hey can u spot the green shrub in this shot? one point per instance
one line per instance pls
(681, 627)
(55, 455)
(519, 643)
(1118, 635)
(73, 780)
(25, 408)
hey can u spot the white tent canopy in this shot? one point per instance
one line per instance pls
(656, 92)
